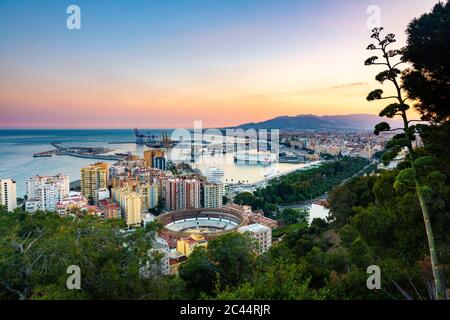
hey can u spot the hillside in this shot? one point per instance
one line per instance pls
(313, 122)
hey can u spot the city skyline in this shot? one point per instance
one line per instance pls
(247, 152)
(164, 64)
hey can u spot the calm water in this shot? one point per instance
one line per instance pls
(18, 146)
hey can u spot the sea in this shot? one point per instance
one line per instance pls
(18, 146)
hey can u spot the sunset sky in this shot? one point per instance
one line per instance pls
(166, 63)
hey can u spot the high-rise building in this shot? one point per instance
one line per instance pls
(213, 195)
(173, 194)
(262, 235)
(153, 153)
(182, 194)
(149, 194)
(44, 192)
(130, 203)
(159, 163)
(8, 196)
(94, 178)
(191, 194)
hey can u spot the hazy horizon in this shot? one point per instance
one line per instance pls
(187, 127)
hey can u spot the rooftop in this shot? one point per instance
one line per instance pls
(254, 228)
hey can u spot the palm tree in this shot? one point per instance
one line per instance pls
(399, 108)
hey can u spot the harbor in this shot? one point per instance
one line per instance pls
(81, 147)
(97, 153)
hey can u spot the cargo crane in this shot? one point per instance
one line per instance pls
(166, 141)
(142, 138)
(150, 140)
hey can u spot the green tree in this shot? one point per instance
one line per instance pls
(359, 253)
(342, 199)
(292, 216)
(318, 226)
(198, 273)
(248, 199)
(233, 254)
(35, 251)
(158, 209)
(91, 201)
(428, 82)
(279, 281)
(400, 108)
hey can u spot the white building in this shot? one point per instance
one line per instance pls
(8, 194)
(215, 175)
(147, 218)
(73, 202)
(102, 194)
(213, 195)
(32, 205)
(262, 234)
(44, 192)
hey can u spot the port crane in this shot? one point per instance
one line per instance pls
(153, 140)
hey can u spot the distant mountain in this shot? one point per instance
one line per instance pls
(312, 122)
